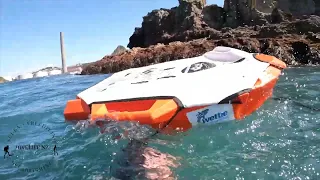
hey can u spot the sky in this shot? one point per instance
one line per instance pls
(30, 30)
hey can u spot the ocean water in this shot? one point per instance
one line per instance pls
(279, 141)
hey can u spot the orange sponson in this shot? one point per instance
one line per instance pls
(271, 59)
(249, 101)
(262, 89)
(154, 112)
(76, 110)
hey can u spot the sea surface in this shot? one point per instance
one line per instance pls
(281, 140)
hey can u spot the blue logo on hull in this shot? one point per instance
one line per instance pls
(201, 116)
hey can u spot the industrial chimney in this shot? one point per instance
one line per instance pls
(64, 67)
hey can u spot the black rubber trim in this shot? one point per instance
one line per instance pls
(228, 99)
(149, 70)
(276, 66)
(143, 98)
(240, 60)
(169, 68)
(98, 82)
(164, 77)
(140, 82)
(103, 89)
(107, 87)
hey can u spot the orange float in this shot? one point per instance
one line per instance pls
(221, 85)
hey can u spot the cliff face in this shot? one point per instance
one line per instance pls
(297, 8)
(293, 50)
(167, 25)
(317, 7)
(193, 20)
(283, 28)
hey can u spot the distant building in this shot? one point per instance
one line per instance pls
(74, 69)
(47, 71)
(40, 74)
(8, 78)
(54, 72)
(25, 76)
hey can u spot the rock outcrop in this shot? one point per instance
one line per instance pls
(168, 25)
(297, 8)
(192, 28)
(119, 50)
(193, 20)
(317, 7)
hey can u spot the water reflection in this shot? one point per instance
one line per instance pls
(139, 161)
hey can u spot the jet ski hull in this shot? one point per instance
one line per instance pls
(171, 113)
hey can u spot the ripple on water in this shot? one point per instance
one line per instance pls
(279, 141)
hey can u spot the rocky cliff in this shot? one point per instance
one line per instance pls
(287, 29)
(192, 19)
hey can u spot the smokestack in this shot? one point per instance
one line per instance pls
(64, 67)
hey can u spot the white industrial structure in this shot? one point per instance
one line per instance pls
(48, 71)
(40, 74)
(8, 78)
(25, 76)
(55, 72)
(74, 69)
